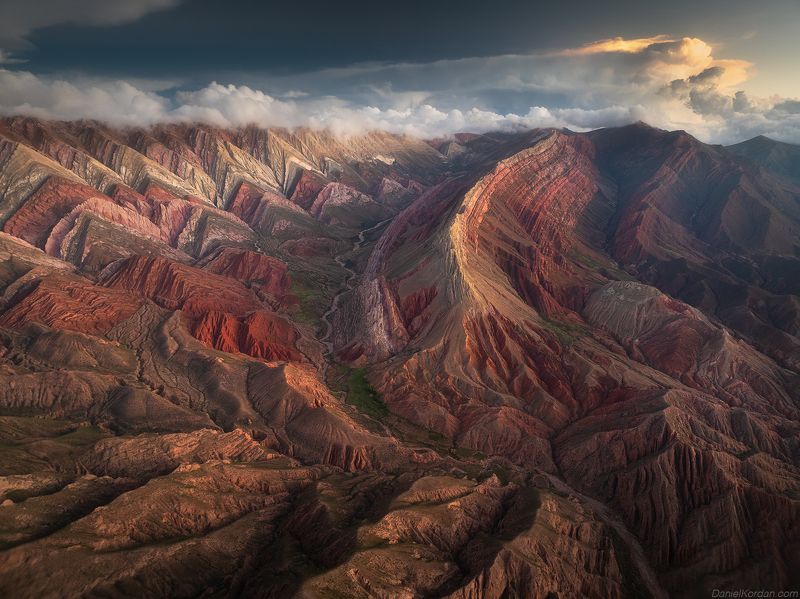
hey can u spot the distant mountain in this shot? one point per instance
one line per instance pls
(285, 363)
(775, 156)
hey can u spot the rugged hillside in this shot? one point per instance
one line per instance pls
(536, 312)
(274, 363)
(775, 156)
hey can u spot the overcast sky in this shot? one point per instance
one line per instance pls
(725, 70)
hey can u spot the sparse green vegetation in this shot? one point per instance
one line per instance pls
(585, 260)
(310, 300)
(361, 394)
(438, 438)
(83, 435)
(567, 332)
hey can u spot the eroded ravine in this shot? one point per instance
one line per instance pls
(349, 285)
(644, 568)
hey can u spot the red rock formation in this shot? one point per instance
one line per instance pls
(679, 341)
(507, 362)
(254, 205)
(224, 313)
(54, 200)
(685, 205)
(306, 188)
(260, 334)
(395, 194)
(579, 351)
(180, 287)
(71, 304)
(107, 211)
(431, 543)
(252, 268)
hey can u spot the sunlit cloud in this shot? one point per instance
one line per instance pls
(616, 44)
(673, 83)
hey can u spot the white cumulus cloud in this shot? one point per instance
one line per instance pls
(674, 83)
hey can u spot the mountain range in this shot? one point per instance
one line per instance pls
(269, 363)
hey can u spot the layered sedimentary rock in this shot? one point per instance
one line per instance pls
(283, 363)
(269, 274)
(529, 340)
(709, 230)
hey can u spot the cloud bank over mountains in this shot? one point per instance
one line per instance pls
(673, 83)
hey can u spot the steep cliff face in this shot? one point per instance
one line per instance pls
(284, 363)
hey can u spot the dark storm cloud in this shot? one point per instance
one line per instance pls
(20, 18)
(199, 36)
(205, 38)
(424, 68)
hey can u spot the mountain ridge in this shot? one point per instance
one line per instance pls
(556, 362)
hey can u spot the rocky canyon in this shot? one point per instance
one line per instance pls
(253, 362)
